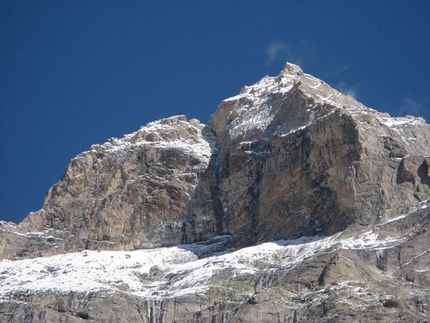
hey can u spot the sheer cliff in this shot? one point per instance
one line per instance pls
(303, 159)
(296, 204)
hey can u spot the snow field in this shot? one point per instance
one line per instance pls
(146, 272)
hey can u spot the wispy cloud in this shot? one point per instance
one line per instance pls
(338, 69)
(274, 51)
(348, 90)
(300, 53)
(412, 106)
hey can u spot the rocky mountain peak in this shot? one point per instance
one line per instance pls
(291, 69)
(170, 181)
(132, 192)
(261, 109)
(331, 199)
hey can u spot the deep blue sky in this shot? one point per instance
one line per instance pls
(74, 73)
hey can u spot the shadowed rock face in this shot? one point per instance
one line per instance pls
(286, 193)
(286, 158)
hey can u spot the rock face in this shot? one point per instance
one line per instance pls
(342, 189)
(150, 188)
(303, 159)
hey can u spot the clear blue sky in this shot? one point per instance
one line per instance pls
(74, 73)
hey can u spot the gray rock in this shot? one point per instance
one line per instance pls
(303, 159)
(298, 204)
(148, 189)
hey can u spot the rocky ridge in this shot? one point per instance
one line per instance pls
(341, 191)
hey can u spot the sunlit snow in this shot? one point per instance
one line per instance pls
(146, 272)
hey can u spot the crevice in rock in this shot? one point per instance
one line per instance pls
(423, 173)
(217, 207)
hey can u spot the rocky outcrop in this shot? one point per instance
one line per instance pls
(341, 191)
(148, 189)
(303, 159)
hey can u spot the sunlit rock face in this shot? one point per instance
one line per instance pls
(297, 157)
(150, 188)
(296, 204)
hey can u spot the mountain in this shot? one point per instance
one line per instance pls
(296, 204)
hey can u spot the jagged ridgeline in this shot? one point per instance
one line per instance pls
(343, 190)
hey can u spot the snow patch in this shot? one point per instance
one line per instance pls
(370, 240)
(149, 272)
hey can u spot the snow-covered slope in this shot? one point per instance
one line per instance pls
(131, 271)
